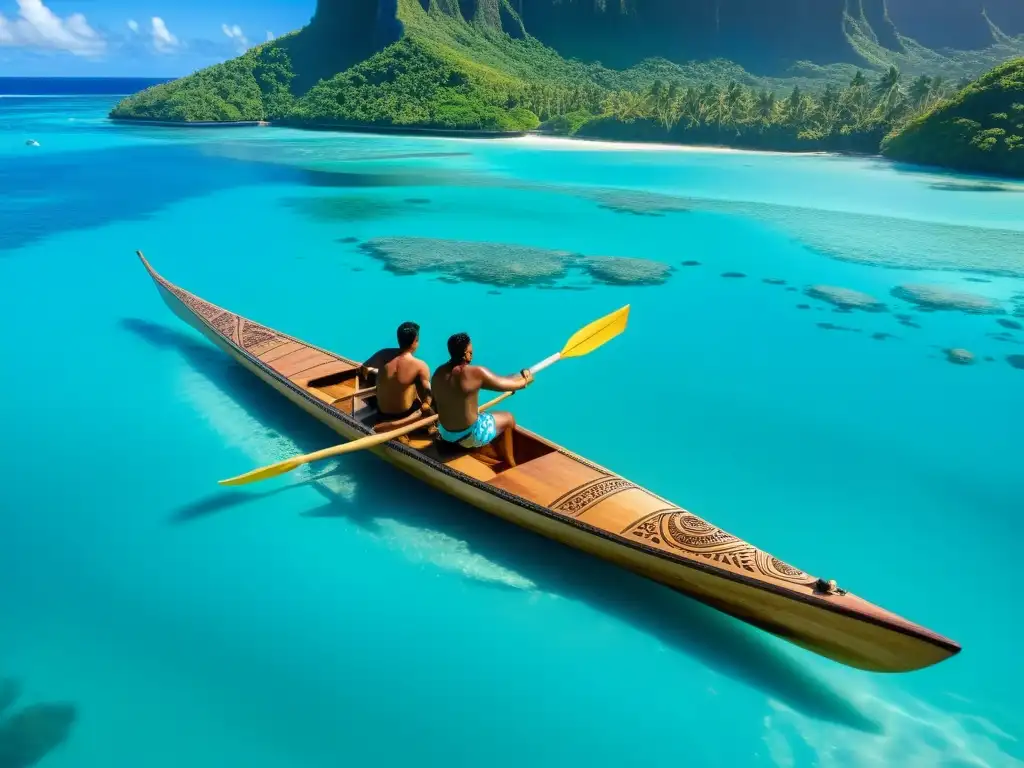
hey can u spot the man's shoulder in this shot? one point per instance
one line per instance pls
(474, 373)
(419, 365)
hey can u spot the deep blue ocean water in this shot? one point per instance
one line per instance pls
(345, 615)
(74, 86)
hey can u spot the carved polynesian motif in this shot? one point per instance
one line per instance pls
(679, 529)
(580, 499)
(226, 324)
(253, 334)
(197, 305)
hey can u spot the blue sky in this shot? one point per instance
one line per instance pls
(135, 38)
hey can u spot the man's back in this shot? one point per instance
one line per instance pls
(456, 390)
(396, 383)
(402, 381)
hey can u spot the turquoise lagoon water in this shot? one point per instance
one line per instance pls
(347, 616)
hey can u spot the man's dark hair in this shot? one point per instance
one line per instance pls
(457, 345)
(407, 334)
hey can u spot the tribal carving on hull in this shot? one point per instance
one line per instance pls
(253, 334)
(202, 308)
(225, 324)
(679, 529)
(580, 499)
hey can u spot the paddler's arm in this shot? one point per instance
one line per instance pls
(494, 383)
(423, 387)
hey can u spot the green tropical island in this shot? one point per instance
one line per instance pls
(473, 66)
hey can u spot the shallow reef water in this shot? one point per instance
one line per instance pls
(941, 297)
(845, 298)
(506, 264)
(347, 614)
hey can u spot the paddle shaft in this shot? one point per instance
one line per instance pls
(547, 362)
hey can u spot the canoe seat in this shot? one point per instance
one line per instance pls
(469, 464)
(468, 461)
(547, 478)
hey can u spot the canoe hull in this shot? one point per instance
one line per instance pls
(855, 633)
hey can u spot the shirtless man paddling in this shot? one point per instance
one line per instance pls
(456, 386)
(403, 381)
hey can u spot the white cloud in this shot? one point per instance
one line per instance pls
(133, 25)
(235, 33)
(163, 40)
(36, 26)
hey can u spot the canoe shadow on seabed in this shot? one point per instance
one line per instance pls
(724, 644)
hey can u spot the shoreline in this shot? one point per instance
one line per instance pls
(582, 142)
(528, 138)
(400, 130)
(390, 130)
(538, 140)
(197, 124)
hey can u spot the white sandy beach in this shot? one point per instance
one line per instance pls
(571, 143)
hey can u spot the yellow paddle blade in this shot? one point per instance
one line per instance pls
(265, 473)
(599, 332)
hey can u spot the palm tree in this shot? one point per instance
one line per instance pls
(692, 107)
(796, 107)
(890, 95)
(669, 110)
(736, 102)
(887, 83)
(764, 106)
(720, 108)
(920, 92)
(829, 109)
(938, 90)
(657, 92)
(627, 106)
(856, 103)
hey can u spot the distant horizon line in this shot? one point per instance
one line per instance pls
(90, 77)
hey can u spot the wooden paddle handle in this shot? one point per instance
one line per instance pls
(495, 401)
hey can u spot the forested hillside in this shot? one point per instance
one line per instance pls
(507, 66)
(981, 128)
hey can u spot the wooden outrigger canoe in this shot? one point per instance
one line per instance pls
(565, 497)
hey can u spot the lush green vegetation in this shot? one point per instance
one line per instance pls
(421, 82)
(981, 128)
(446, 73)
(853, 118)
(255, 86)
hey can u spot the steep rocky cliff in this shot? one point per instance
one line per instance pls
(762, 35)
(876, 14)
(765, 36)
(956, 23)
(759, 35)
